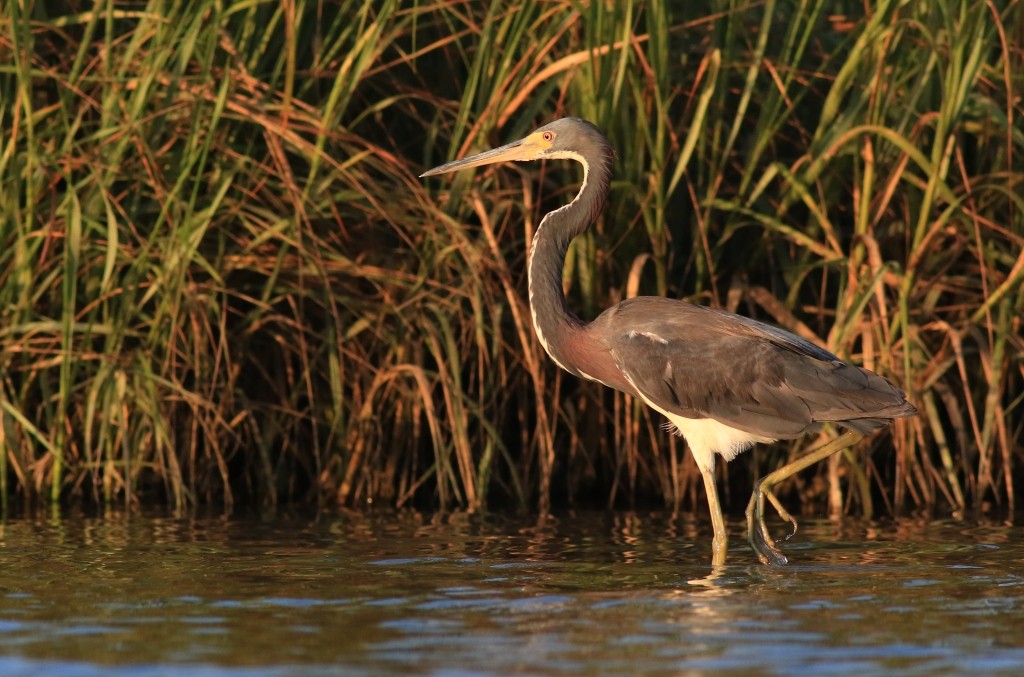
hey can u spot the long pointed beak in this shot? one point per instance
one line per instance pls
(522, 149)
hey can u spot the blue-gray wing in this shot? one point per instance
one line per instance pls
(704, 363)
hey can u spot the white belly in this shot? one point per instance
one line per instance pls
(707, 437)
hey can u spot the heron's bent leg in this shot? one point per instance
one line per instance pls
(757, 530)
(720, 542)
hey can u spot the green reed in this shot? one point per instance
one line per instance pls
(221, 280)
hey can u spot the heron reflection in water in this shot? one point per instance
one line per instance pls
(725, 382)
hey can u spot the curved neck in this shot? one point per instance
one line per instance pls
(552, 319)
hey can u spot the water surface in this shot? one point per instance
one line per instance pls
(595, 593)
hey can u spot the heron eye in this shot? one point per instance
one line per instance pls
(548, 136)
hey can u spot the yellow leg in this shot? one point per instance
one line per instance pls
(720, 542)
(757, 531)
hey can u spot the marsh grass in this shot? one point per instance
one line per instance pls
(221, 280)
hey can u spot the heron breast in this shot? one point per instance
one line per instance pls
(593, 360)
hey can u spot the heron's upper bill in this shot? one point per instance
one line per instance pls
(528, 148)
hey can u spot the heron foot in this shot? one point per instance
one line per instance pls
(760, 540)
(757, 531)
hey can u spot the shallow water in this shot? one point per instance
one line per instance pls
(581, 594)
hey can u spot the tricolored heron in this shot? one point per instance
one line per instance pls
(724, 381)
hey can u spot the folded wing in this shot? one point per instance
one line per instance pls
(699, 362)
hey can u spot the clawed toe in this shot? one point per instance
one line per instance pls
(783, 513)
(757, 531)
(766, 549)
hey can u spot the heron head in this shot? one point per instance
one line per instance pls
(562, 138)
